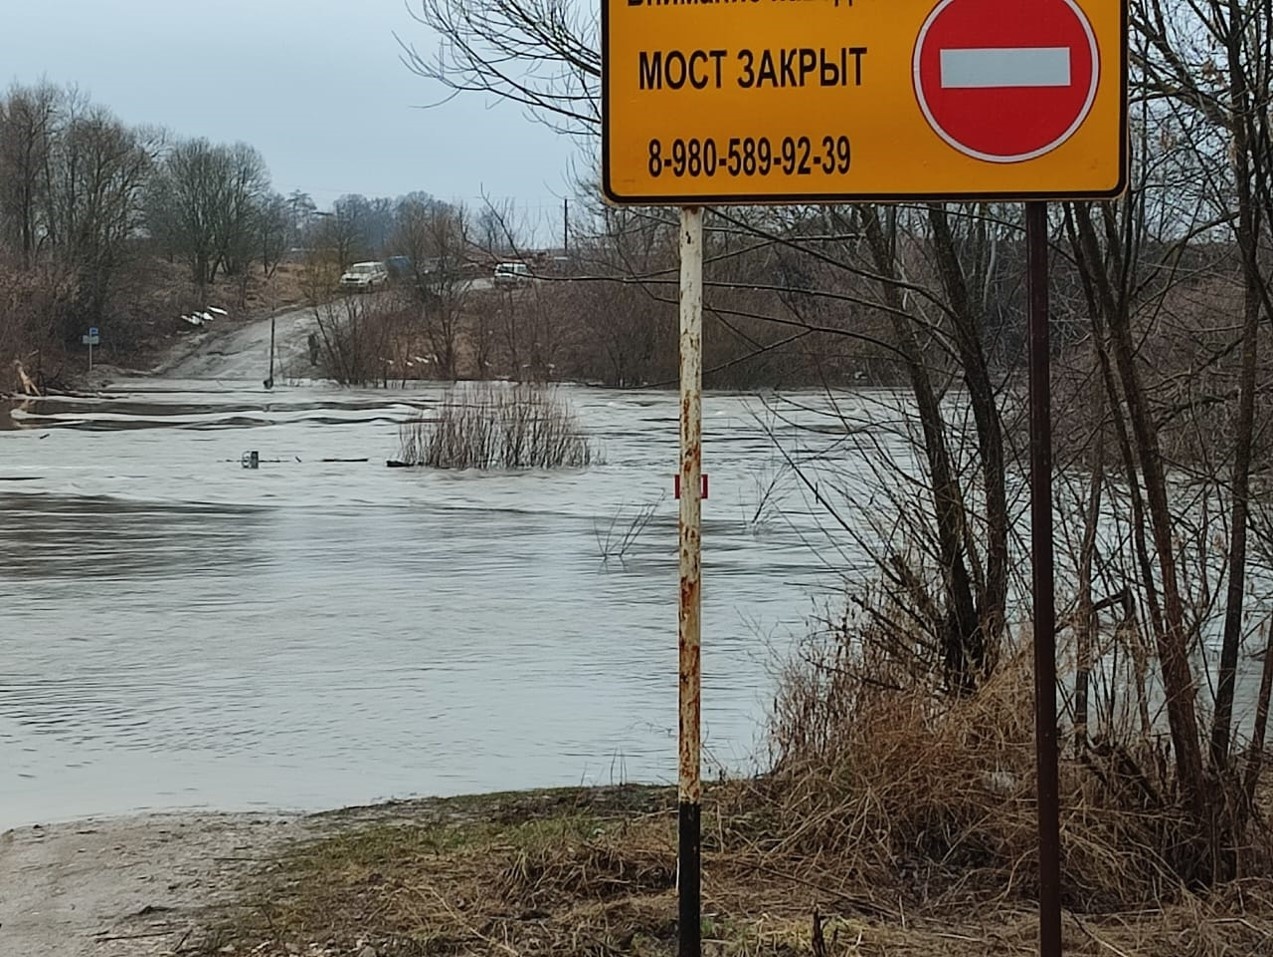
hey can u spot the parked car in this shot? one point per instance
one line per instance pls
(364, 277)
(399, 266)
(507, 274)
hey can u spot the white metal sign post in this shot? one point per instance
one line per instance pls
(689, 785)
(90, 340)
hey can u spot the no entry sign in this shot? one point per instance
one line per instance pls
(1007, 81)
(769, 101)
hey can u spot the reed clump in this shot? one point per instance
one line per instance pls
(492, 426)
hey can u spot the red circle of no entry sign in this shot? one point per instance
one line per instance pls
(1006, 80)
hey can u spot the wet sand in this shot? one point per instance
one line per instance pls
(127, 887)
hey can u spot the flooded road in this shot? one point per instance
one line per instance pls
(180, 631)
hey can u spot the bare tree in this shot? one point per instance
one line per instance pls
(274, 229)
(356, 335)
(71, 181)
(497, 229)
(434, 237)
(100, 169)
(1212, 60)
(242, 195)
(342, 232)
(203, 205)
(619, 333)
(301, 213)
(27, 128)
(542, 54)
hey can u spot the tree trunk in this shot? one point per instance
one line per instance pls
(1248, 240)
(976, 374)
(1172, 639)
(962, 638)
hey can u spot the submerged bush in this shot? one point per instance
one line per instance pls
(498, 427)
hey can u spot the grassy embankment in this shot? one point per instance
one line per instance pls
(591, 872)
(912, 832)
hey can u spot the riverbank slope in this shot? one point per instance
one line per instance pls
(575, 872)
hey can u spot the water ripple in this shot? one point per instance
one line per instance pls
(180, 630)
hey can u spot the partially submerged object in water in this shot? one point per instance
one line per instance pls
(28, 385)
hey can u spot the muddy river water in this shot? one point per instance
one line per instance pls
(180, 631)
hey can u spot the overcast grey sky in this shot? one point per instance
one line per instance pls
(316, 85)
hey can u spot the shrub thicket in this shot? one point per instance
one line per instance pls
(882, 772)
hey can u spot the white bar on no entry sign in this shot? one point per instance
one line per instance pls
(972, 69)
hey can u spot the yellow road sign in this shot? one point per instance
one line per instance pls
(777, 101)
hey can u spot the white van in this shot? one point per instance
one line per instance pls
(507, 274)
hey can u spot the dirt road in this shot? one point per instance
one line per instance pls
(242, 352)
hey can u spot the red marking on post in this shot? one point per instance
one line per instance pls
(1006, 81)
(676, 485)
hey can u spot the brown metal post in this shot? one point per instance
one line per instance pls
(1041, 543)
(689, 833)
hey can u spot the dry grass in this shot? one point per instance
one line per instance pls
(583, 873)
(941, 789)
(557, 872)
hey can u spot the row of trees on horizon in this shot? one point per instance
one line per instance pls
(92, 208)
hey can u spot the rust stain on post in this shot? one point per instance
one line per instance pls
(691, 500)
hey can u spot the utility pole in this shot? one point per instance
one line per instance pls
(269, 382)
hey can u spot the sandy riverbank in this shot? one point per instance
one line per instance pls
(127, 887)
(149, 885)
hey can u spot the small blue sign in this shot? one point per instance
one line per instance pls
(92, 332)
